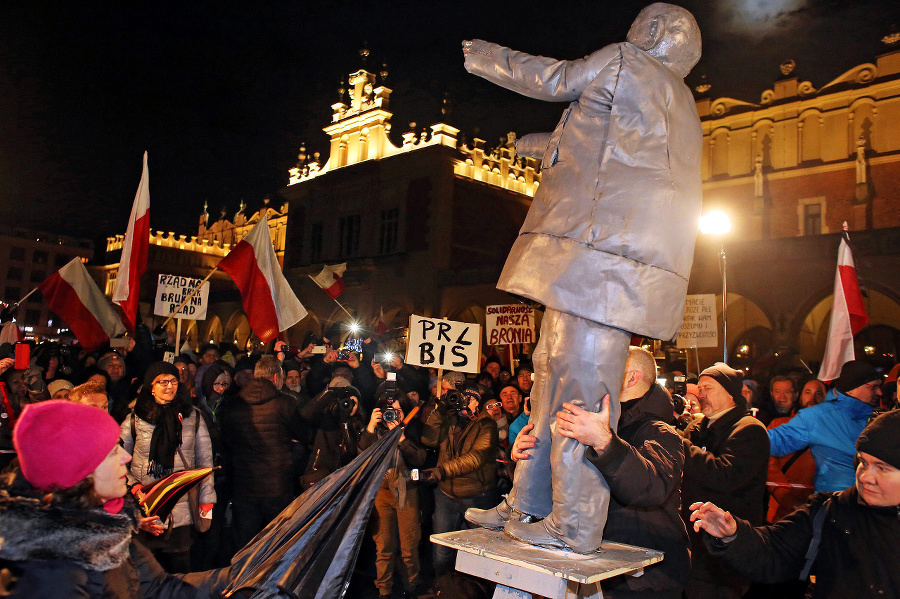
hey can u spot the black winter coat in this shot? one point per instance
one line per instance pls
(643, 466)
(61, 552)
(725, 463)
(856, 556)
(257, 429)
(334, 442)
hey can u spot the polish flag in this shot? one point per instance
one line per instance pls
(75, 297)
(133, 262)
(268, 300)
(331, 279)
(380, 322)
(848, 315)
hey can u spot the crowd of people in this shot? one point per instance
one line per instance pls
(731, 478)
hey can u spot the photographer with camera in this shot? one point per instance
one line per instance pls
(466, 472)
(396, 518)
(336, 419)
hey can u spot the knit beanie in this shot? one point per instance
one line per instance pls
(158, 368)
(880, 438)
(856, 373)
(732, 380)
(59, 385)
(59, 442)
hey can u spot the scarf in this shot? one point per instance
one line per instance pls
(166, 420)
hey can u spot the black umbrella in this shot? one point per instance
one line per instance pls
(309, 550)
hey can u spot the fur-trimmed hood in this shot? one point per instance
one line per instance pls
(93, 538)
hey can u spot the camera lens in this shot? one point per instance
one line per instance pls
(390, 415)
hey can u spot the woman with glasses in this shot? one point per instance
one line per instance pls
(165, 433)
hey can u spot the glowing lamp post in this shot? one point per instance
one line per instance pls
(717, 223)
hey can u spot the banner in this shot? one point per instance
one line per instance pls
(171, 291)
(699, 327)
(509, 323)
(446, 344)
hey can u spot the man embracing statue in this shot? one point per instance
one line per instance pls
(607, 246)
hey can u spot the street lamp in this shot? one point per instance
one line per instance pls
(717, 223)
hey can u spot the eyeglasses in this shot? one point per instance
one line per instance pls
(492, 405)
(166, 382)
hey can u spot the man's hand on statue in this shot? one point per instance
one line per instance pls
(590, 428)
(524, 441)
(712, 519)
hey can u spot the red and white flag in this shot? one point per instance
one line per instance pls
(331, 279)
(268, 300)
(133, 262)
(75, 297)
(848, 316)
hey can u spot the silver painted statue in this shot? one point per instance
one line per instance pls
(607, 245)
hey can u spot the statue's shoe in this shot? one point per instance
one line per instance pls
(535, 533)
(496, 518)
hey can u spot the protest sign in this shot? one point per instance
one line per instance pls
(171, 291)
(444, 344)
(507, 324)
(700, 327)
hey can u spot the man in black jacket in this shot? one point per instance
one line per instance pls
(257, 430)
(726, 456)
(642, 465)
(848, 539)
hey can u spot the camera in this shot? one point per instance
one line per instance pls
(679, 381)
(390, 415)
(454, 400)
(343, 403)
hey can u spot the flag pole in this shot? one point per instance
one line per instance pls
(188, 298)
(334, 298)
(27, 295)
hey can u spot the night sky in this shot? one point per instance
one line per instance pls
(221, 96)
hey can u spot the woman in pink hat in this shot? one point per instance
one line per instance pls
(66, 527)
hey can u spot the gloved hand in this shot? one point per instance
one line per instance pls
(432, 476)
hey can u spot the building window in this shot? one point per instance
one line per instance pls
(315, 243)
(39, 257)
(37, 276)
(61, 260)
(812, 219)
(390, 225)
(32, 318)
(111, 282)
(14, 273)
(348, 232)
(811, 216)
(12, 294)
(16, 253)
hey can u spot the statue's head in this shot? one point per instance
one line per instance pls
(670, 34)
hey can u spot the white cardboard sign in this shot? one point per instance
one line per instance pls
(509, 323)
(171, 291)
(700, 327)
(446, 344)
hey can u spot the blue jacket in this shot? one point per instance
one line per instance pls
(830, 430)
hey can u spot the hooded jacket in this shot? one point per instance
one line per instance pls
(257, 432)
(830, 430)
(467, 452)
(725, 462)
(59, 551)
(856, 555)
(610, 234)
(642, 466)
